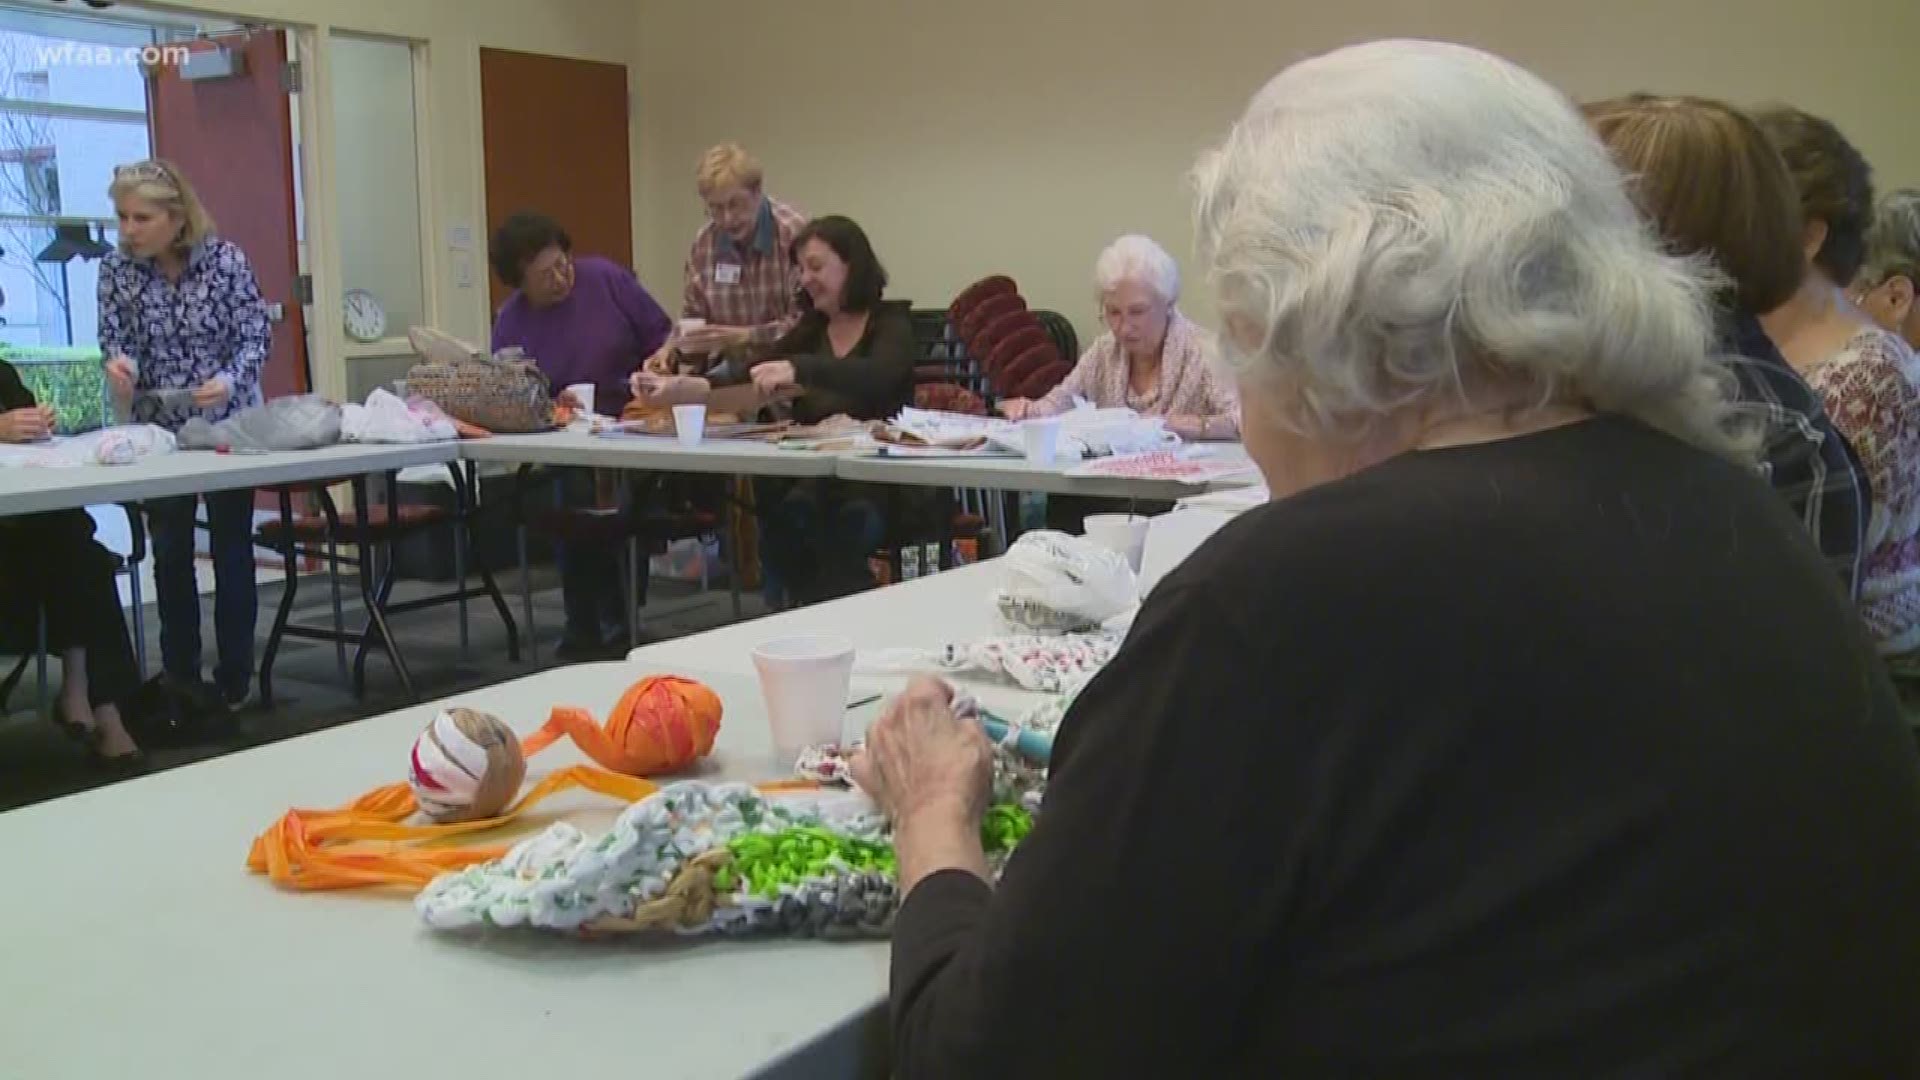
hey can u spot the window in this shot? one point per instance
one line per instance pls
(73, 103)
(377, 174)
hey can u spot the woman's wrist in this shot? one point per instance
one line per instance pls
(940, 834)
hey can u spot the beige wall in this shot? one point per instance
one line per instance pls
(1022, 136)
(454, 32)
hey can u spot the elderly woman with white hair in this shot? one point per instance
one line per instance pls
(1525, 733)
(1886, 286)
(1152, 359)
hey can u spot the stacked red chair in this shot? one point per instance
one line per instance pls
(1017, 354)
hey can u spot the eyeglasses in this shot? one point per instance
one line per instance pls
(555, 270)
(738, 205)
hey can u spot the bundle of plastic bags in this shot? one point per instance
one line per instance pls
(300, 422)
(1057, 584)
(388, 418)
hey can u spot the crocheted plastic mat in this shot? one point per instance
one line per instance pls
(700, 858)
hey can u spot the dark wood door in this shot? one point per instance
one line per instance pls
(233, 137)
(555, 133)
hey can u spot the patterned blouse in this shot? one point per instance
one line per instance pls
(212, 322)
(1872, 393)
(1189, 385)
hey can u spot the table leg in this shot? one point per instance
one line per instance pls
(526, 572)
(997, 522)
(735, 570)
(461, 507)
(369, 591)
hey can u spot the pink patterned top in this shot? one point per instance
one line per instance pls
(1189, 384)
(1872, 392)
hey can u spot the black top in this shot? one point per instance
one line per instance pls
(873, 381)
(1808, 461)
(1559, 756)
(21, 536)
(13, 392)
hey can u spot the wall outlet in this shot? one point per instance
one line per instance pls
(463, 270)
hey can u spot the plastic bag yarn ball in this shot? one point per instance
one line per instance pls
(465, 765)
(662, 724)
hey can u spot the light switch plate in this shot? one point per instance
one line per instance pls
(460, 237)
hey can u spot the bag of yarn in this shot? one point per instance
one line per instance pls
(504, 393)
(1056, 584)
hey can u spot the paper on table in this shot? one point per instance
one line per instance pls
(1191, 465)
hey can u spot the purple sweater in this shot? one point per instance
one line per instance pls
(600, 333)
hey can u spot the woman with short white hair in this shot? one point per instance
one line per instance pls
(1886, 286)
(1152, 359)
(1525, 733)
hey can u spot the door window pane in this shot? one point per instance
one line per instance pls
(376, 170)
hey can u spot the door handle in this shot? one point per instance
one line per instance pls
(276, 312)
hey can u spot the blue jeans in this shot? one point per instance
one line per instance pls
(230, 531)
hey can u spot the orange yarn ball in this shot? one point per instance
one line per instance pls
(662, 724)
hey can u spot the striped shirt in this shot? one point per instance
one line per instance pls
(1806, 458)
(756, 286)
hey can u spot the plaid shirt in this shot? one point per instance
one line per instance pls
(764, 288)
(1806, 459)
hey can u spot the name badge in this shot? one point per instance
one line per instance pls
(726, 273)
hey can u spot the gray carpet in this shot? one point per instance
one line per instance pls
(37, 762)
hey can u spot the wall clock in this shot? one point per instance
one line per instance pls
(366, 319)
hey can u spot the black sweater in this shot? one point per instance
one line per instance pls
(873, 381)
(1559, 756)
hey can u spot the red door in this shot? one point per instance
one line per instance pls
(233, 138)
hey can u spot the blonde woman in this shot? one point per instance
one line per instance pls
(180, 310)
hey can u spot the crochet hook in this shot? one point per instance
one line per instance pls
(1033, 745)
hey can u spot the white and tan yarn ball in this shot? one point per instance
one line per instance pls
(466, 765)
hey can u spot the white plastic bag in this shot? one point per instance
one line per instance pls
(1057, 583)
(122, 445)
(386, 418)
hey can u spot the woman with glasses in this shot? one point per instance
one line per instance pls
(583, 319)
(185, 334)
(1152, 359)
(1887, 287)
(742, 291)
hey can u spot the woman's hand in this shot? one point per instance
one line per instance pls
(1015, 408)
(213, 393)
(704, 340)
(31, 424)
(923, 762)
(120, 375)
(661, 390)
(773, 375)
(660, 363)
